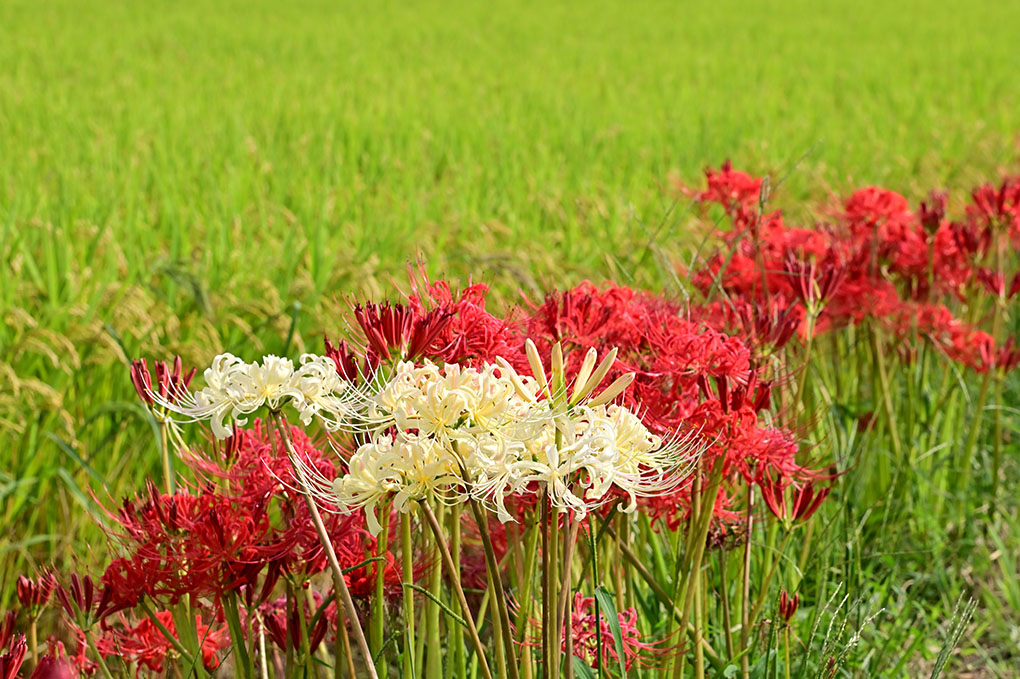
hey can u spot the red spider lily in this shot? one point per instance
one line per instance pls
(170, 381)
(81, 600)
(436, 323)
(886, 259)
(283, 622)
(144, 643)
(405, 331)
(764, 327)
(347, 362)
(239, 532)
(471, 334)
(737, 192)
(788, 605)
(806, 498)
(34, 594)
(998, 207)
(687, 376)
(54, 665)
(932, 212)
(585, 635)
(814, 284)
(13, 648)
(205, 545)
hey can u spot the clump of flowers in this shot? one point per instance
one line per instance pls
(488, 434)
(591, 633)
(624, 440)
(235, 389)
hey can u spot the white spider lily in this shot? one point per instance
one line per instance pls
(489, 434)
(235, 389)
(405, 469)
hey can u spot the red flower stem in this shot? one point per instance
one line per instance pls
(344, 600)
(454, 578)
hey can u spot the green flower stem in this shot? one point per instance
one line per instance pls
(458, 666)
(407, 568)
(344, 600)
(724, 588)
(745, 590)
(760, 601)
(555, 634)
(164, 457)
(701, 520)
(569, 538)
(431, 664)
(883, 380)
(546, 587)
(496, 578)
(786, 650)
(306, 648)
(699, 621)
(454, 578)
(377, 631)
(500, 653)
(593, 546)
(532, 535)
(997, 449)
(242, 660)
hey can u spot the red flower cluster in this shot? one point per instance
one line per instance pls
(877, 260)
(689, 376)
(436, 323)
(587, 636)
(239, 532)
(146, 645)
(13, 648)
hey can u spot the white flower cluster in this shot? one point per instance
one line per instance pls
(234, 389)
(457, 434)
(485, 434)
